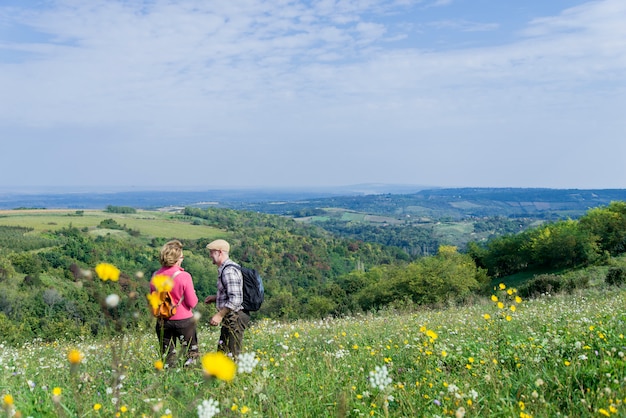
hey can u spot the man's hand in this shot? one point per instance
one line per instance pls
(210, 299)
(216, 319)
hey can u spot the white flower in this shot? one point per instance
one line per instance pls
(453, 388)
(208, 409)
(379, 378)
(112, 300)
(246, 362)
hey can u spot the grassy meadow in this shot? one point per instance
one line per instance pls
(560, 355)
(148, 223)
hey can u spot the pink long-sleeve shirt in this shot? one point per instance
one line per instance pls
(183, 285)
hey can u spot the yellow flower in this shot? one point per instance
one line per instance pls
(513, 308)
(8, 399)
(296, 335)
(153, 299)
(500, 305)
(567, 363)
(508, 318)
(604, 412)
(57, 391)
(107, 271)
(162, 283)
(494, 298)
(219, 365)
(74, 356)
(518, 299)
(487, 316)
(158, 365)
(97, 407)
(432, 334)
(502, 286)
(124, 408)
(245, 409)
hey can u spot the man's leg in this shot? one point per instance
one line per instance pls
(231, 336)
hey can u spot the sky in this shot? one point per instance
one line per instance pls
(195, 94)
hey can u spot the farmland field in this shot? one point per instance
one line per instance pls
(168, 224)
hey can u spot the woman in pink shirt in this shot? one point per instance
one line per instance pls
(181, 327)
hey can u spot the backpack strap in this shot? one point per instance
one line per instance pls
(176, 273)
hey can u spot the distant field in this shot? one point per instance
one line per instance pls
(148, 223)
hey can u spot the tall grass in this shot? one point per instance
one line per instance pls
(502, 357)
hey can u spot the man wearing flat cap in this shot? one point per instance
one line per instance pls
(229, 299)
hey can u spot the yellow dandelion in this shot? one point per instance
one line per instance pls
(219, 365)
(513, 308)
(106, 271)
(8, 399)
(57, 391)
(518, 300)
(74, 356)
(502, 286)
(494, 298)
(471, 359)
(296, 335)
(97, 406)
(508, 318)
(432, 334)
(158, 365)
(500, 305)
(604, 412)
(567, 363)
(124, 408)
(162, 283)
(355, 347)
(487, 316)
(245, 409)
(153, 299)
(444, 353)
(509, 292)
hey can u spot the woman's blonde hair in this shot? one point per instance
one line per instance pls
(171, 252)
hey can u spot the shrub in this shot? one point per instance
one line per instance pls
(541, 284)
(616, 276)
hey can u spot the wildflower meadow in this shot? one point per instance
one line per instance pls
(558, 355)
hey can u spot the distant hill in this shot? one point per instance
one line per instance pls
(399, 201)
(151, 199)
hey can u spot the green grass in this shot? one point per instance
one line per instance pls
(168, 225)
(554, 356)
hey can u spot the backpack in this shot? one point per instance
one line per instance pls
(166, 308)
(253, 291)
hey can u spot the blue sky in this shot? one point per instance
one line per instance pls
(194, 94)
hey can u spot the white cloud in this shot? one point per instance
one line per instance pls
(332, 78)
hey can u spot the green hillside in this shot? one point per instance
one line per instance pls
(47, 288)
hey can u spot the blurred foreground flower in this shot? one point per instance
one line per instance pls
(74, 356)
(106, 271)
(208, 409)
(246, 362)
(379, 378)
(112, 300)
(162, 283)
(219, 365)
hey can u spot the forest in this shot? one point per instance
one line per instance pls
(47, 289)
